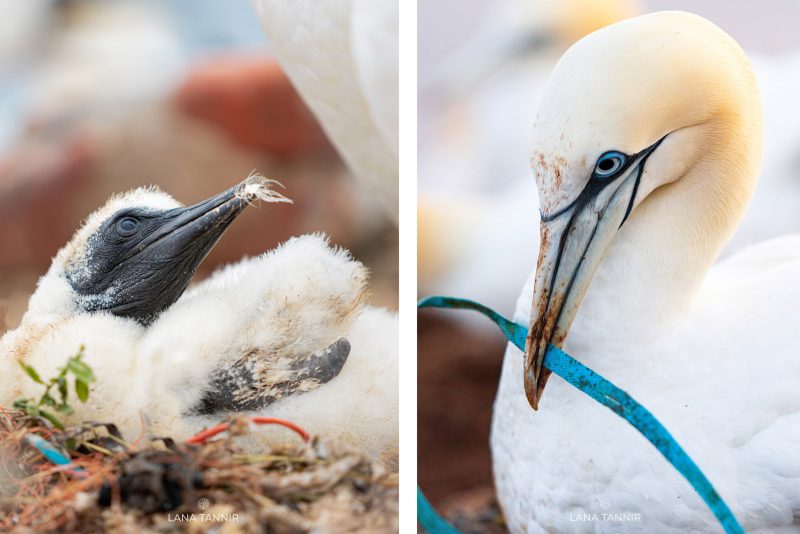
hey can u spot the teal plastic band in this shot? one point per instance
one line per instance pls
(610, 396)
(429, 518)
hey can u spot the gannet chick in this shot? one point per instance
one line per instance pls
(647, 148)
(135, 256)
(236, 342)
(129, 261)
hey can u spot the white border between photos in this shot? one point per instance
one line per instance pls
(408, 264)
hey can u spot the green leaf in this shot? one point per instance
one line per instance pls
(80, 370)
(22, 404)
(53, 419)
(65, 408)
(82, 389)
(62, 388)
(32, 410)
(31, 373)
(47, 400)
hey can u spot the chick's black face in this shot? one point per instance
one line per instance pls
(140, 260)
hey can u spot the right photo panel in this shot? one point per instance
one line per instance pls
(608, 266)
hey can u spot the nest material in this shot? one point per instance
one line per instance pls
(258, 187)
(112, 486)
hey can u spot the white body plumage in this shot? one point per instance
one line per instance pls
(730, 400)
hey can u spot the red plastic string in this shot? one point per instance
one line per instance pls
(202, 437)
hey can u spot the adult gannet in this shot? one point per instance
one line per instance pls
(342, 57)
(287, 326)
(474, 168)
(646, 152)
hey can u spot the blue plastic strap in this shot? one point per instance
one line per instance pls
(48, 450)
(610, 396)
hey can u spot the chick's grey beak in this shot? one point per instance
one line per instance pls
(191, 231)
(574, 242)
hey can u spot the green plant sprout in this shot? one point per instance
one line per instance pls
(42, 408)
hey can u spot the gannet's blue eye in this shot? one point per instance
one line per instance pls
(609, 164)
(127, 226)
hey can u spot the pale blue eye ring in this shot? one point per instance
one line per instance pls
(609, 164)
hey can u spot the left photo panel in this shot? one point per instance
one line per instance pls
(199, 266)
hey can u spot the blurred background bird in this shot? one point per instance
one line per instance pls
(342, 57)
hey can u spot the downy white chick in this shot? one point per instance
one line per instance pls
(284, 334)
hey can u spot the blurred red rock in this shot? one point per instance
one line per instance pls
(253, 102)
(40, 185)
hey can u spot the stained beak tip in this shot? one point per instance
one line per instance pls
(535, 380)
(531, 387)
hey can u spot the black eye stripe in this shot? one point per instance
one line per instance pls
(596, 184)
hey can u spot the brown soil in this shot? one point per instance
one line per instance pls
(458, 372)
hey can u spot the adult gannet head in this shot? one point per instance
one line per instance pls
(134, 256)
(652, 123)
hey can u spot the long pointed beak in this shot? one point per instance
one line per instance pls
(195, 228)
(574, 241)
(157, 270)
